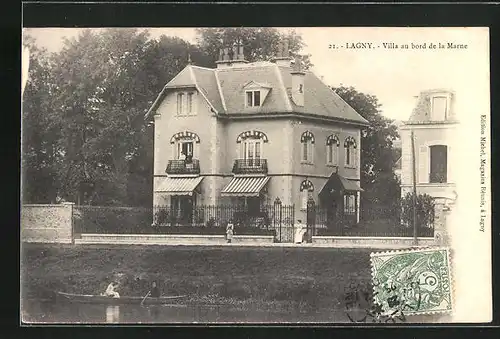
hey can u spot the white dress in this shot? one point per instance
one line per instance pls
(110, 291)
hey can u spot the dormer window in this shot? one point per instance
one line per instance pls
(255, 93)
(253, 98)
(440, 106)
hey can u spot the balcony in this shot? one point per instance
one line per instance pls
(250, 166)
(183, 167)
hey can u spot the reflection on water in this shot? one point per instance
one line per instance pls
(113, 314)
(34, 311)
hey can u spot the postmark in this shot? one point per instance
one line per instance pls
(412, 282)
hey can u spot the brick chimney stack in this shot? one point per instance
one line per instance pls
(229, 57)
(298, 77)
(283, 59)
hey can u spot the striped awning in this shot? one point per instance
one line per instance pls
(245, 186)
(179, 186)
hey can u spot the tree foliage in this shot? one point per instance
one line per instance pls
(87, 105)
(83, 134)
(424, 209)
(259, 43)
(377, 153)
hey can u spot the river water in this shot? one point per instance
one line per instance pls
(36, 311)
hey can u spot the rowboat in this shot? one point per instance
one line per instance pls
(101, 299)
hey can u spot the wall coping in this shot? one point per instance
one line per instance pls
(369, 238)
(46, 205)
(152, 235)
(159, 236)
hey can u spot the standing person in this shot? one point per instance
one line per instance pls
(229, 232)
(300, 230)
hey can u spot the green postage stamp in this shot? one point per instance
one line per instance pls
(412, 282)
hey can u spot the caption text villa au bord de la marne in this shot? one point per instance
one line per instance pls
(358, 45)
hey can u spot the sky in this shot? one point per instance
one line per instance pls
(394, 75)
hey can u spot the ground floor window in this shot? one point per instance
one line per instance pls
(182, 207)
(349, 204)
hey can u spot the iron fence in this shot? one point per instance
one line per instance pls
(375, 221)
(275, 219)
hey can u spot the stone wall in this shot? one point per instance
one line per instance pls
(47, 223)
(370, 242)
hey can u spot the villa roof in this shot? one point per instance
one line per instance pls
(223, 88)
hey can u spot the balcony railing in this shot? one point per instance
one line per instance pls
(250, 166)
(183, 166)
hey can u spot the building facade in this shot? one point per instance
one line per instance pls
(244, 134)
(434, 126)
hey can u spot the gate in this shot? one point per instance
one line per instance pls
(311, 219)
(283, 221)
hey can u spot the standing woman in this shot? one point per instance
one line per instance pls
(229, 231)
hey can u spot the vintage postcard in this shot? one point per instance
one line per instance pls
(256, 175)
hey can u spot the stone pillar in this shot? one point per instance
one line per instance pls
(441, 232)
(71, 227)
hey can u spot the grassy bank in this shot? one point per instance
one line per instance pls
(310, 277)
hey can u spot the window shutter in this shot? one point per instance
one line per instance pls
(423, 165)
(450, 163)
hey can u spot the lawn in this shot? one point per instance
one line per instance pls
(307, 277)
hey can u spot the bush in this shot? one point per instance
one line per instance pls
(424, 210)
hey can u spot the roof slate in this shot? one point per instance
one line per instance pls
(226, 86)
(422, 111)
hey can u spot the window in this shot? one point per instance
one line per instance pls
(184, 150)
(439, 164)
(332, 150)
(439, 108)
(251, 152)
(305, 197)
(180, 103)
(253, 98)
(190, 103)
(183, 145)
(307, 141)
(306, 187)
(349, 204)
(251, 148)
(350, 152)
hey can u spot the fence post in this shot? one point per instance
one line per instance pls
(310, 218)
(277, 209)
(70, 205)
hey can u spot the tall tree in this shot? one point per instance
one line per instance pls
(41, 151)
(260, 44)
(377, 154)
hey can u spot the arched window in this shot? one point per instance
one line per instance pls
(332, 150)
(251, 147)
(350, 152)
(183, 145)
(306, 188)
(307, 141)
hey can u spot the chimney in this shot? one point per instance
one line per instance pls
(298, 76)
(283, 59)
(236, 58)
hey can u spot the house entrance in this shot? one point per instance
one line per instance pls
(182, 208)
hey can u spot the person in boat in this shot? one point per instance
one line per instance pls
(111, 290)
(155, 291)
